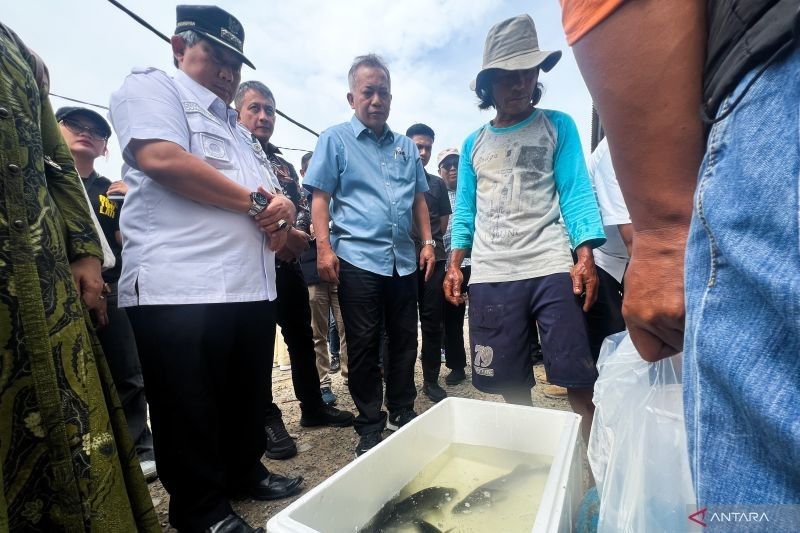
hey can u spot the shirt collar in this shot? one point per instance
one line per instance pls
(271, 149)
(359, 128)
(205, 97)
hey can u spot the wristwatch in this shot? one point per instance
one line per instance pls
(258, 202)
(429, 243)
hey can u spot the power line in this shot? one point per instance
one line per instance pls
(147, 25)
(139, 19)
(294, 149)
(106, 108)
(78, 101)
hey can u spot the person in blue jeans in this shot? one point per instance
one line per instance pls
(714, 206)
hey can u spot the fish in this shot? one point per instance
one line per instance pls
(409, 511)
(494, 491)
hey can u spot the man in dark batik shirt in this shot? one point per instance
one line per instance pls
(256, 106)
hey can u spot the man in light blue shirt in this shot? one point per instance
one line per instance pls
(367, 183)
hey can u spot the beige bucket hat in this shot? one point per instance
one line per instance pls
(513, 45)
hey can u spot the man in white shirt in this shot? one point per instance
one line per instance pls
(202, 219)
(611, 259)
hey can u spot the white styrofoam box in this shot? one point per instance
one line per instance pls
(349, 498)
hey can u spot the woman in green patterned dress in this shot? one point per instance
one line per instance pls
(66, 461)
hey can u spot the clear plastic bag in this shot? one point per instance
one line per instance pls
(637, 448)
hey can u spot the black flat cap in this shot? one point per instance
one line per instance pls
(215, 24)
(97, 118)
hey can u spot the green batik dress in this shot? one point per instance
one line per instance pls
(66, 460)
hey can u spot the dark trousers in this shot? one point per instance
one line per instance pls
(455, 354)
(430, 296)
(605, 316)
(364, 298)
(333, 334)
(119, 347)
(207, 371)
(294, 318)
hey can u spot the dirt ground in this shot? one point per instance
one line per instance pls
(323, 451)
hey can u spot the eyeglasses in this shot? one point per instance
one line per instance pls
(449, 165)
(77, 128)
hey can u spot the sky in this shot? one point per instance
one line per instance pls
(302, 50)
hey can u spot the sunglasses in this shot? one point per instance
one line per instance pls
(449, 165)
(77, 128)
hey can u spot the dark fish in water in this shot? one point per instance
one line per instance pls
(409, 511)
(494, 491)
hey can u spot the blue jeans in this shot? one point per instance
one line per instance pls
(742, 344)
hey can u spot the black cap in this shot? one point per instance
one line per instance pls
(97, 118)
(215, 24)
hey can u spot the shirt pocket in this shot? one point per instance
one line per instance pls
(210, 138)
(402, 168)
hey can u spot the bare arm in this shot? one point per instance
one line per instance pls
(643, 67)
(327, 262)
(626, 232)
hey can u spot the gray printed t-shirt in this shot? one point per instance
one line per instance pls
(524, 199)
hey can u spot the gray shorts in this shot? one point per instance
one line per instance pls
(502, 322)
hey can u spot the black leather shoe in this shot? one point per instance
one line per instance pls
(327, 416)
(233, 523)
(434, 391)
(274, 487)
(456, 376)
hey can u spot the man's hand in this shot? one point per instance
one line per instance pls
(117, 187)
(279, 208)
(653, 305)
(274, 220)
(452, 285)
(584, 277)
(296, 244)
(88, 280)
(427, 260)
(100, 313)
(327, 263)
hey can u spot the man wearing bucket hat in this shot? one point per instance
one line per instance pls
(203, 216)
(524, 206)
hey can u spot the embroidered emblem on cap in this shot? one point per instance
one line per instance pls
(231, 38)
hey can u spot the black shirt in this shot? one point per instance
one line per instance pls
(438, 206)
(107, 212)
(743, 34)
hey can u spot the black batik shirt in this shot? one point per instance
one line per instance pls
(290, 184)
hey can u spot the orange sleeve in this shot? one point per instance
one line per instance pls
(581, 16)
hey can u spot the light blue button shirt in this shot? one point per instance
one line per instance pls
(372, 182)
